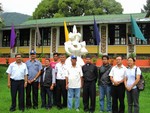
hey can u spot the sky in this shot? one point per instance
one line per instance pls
(28, 6)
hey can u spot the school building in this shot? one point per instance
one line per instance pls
(115, 32)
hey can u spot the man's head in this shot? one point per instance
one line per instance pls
(55, 56)
(105, 59)
(73, 60)
(33, 54)
(119, 60)
(88, 59)
(47, 62)
(18, 58)
(62, 57)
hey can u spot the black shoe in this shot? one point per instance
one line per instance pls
(86, 110)
(59, 108)
(21, 110)
(12, 109)
(28, 107)
(91, 112)
(35, 107)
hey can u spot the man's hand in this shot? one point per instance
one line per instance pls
(29, 81)
(25, 84)
(116, 83)
(51, 87)
(8, 85)
(67, 87)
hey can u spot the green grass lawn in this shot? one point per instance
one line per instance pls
(5, 99)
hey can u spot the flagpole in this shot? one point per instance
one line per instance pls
(42, 41)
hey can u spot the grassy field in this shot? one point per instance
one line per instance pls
(5, 99)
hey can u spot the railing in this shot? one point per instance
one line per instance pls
(139, 62)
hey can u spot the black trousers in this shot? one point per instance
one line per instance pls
(17, 86)
(53, 97)
(45, 91)
(118, 92)
(89, 93)
(61, 90)
(34, 87)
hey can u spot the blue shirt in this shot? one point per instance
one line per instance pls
(33, 68)
(130, 74)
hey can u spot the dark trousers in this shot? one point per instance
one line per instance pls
(17, 86)
(118, 92)
(53, 97)
(61, 90)
(133, 100)
(34, 87)
(89, 92)
(45, 91)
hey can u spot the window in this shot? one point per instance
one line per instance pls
(45, 36)
(144, 27)
(62, 34)
(6, 38)
(24, 37)
(117, 34)
(88, 35)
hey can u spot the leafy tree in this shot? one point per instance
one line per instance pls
(1, 21)
(1, 7)
(146, 8)
(67, 8)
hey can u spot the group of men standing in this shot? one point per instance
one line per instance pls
(58, 79)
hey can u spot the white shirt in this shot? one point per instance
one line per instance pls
(60, 71)
(131, 76)
(17, 72)
(74, 75)
(118, 73)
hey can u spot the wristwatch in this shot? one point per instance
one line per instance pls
(34, 79)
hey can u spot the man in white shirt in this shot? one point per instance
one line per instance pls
(73, 83)
(60, 70)
(17, 80)
(117, 75)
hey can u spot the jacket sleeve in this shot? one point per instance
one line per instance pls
(96, 73)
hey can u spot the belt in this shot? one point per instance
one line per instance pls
(17, 80)
(60, 79)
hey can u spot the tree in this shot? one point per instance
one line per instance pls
(146, 8)
(1, 21)
(1, 7)
(67, 8)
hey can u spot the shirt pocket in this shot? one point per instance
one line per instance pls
(36, 67)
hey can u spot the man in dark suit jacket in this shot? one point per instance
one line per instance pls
(90, 74)
(46, 84)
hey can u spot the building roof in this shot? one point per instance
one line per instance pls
(83, 20)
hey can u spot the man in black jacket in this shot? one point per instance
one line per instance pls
(90, 74)
(47, 84)
(104, 83)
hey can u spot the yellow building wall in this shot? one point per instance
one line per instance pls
(4, 50)
(142, 49)
(61, 49)
(117, 49)
(91, 49)
(23, 50)
(46, 49)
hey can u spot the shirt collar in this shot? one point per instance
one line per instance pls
(134, 67)
(34, 60)
(16, 62)
(118, 67)
(73, 67)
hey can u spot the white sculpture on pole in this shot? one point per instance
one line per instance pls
(75, 47)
